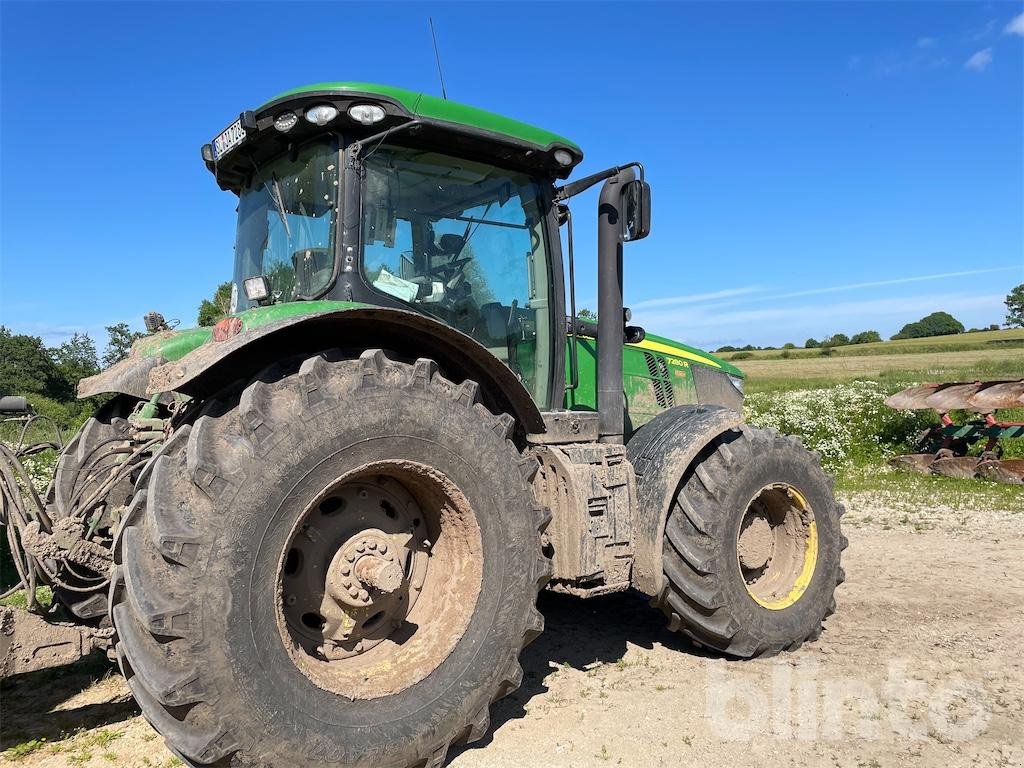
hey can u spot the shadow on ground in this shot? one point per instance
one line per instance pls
(581, 634)
(578, 633)
(28, 700)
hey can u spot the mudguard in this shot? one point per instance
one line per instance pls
(214, 364)
(129, 376)
(661, 451)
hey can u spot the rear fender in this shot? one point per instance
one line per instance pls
(214, 365)
(661, 452)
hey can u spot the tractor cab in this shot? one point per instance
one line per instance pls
(380, 196)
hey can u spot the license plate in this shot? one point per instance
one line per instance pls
(229, 139)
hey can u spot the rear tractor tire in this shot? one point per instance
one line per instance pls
(84, 465)
(752, 546)
(336, 564)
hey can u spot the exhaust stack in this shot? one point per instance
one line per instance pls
(610, 320)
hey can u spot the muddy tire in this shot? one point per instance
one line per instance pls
(227, 654)
(80, 469)
(752, 546)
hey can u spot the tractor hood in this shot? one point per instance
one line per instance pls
(685, 352)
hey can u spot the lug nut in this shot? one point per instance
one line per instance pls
(364, 595)
(361, 546)
(373, 545)
(346, 570)
(383, 549)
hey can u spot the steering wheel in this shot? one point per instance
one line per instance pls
(449, 269)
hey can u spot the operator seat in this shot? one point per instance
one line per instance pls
(451, 245)
(491, 328)
(313, 268)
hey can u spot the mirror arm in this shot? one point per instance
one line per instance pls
(582, 185)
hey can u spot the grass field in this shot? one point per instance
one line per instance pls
(962, 357)
(766, 375)
(924, 490)
(998, 343)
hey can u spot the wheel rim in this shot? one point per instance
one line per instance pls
(379, 579)
(777, 546)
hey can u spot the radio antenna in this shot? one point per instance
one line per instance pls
(437, 58)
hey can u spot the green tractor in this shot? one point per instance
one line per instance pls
(314, 533)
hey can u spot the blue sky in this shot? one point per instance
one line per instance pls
(816, 167)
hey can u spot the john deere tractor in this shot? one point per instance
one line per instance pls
(314, 533)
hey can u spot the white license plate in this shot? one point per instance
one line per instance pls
(229, 139)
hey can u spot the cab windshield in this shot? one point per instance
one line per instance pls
(464, 242)
(286, 225)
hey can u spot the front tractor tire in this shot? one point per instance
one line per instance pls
(336, 564)
(752, 546)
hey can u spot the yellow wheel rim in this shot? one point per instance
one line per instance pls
(777, 546)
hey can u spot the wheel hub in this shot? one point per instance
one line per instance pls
(367, 568)
(355, 569)
(379, 578)
(777, 546)
(756, 543)
(367, 592)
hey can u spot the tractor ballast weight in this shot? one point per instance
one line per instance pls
(343, 498)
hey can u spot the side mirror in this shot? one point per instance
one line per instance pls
(636, 210)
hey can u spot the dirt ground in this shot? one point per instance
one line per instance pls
(921, 665)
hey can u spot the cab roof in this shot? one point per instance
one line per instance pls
(256, 135)
(424, 105)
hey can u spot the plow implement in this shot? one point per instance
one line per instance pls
(53, 538)
(944, 448)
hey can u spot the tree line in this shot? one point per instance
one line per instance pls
(935, 324)
(48, 376)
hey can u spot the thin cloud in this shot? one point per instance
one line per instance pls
(926, 42)
(708, 327)
(980, 33)
(980, 61)
(731, 293)
(894, 281)
(909, 307)
(695, 298)
(1016, 26)
(897, 64)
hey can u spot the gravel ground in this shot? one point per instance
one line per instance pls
(921, 665)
